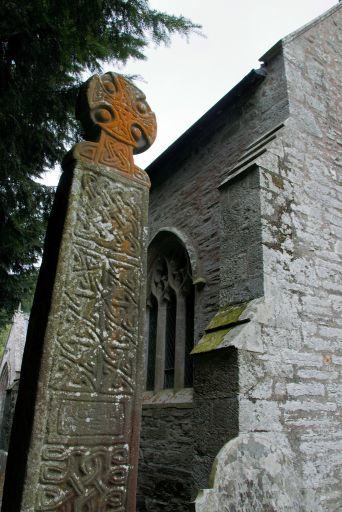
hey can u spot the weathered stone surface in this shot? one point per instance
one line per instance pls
(82, 444)
(166, 458)
(8, 413)
(3, 460)
(281, 226)
(185, 200)
(215, 408)
(13, 351)
(9, 381)
(254, 472)
(117, 122)
(9, 375)
(241, 248)
(88, 398)
(291, 385)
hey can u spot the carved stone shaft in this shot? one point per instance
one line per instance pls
(82, 376)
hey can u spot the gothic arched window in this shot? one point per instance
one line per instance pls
(170, 315)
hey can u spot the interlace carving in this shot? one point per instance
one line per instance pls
(106, 270)
(93, 376)
(80, 451)
(117, 121)
(87, 458)
(92, 479)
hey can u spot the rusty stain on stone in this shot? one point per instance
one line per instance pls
(327, 359)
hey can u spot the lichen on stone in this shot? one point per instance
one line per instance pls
(225, 320)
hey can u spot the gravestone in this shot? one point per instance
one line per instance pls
(75, 438)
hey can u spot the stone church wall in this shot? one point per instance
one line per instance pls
(278, 210)
(166, 455)
(290, 352)
(189, 201)
(307, 263)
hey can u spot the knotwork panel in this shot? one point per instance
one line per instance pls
(92, 383)
(96, 332)
(79, 398)
(92, 479)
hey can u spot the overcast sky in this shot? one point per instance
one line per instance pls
(183, 81)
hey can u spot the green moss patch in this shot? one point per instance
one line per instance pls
(224, 321)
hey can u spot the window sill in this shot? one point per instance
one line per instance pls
(168, 398)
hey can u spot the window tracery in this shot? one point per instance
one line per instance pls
(170, 316)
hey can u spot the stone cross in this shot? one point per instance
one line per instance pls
(75, 437)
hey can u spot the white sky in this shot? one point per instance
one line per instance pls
(183, 81)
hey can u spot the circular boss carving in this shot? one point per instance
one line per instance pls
(102, 115)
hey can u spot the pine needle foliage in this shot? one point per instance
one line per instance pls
(45, 45)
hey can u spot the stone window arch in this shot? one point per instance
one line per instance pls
(170, 314)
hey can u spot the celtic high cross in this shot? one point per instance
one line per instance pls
(75, 437)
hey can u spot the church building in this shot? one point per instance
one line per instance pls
(242, 408)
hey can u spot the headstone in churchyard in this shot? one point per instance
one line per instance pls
(75, 437)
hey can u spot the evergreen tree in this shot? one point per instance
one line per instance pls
(45, 45)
